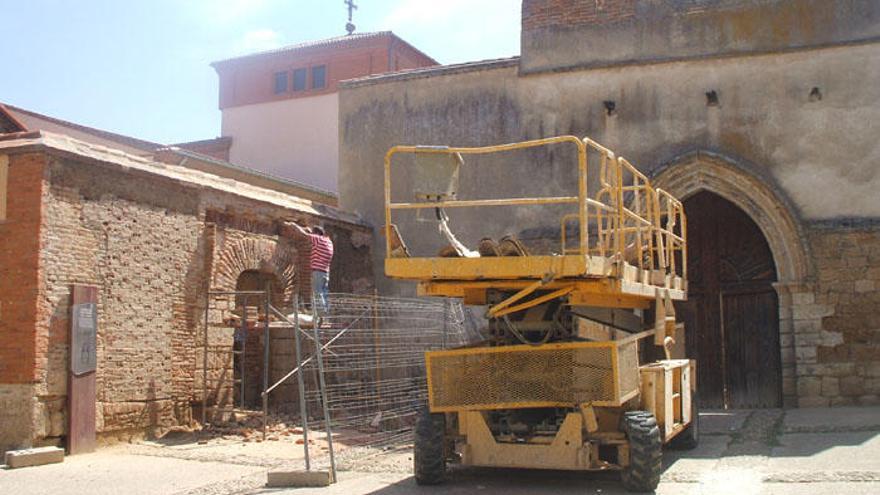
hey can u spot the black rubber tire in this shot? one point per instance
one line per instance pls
(429, 456)
(690, 437)
(645, 452)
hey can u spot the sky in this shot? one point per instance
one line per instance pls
(141, 67)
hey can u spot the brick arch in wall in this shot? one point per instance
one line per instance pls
(775, 216)
(262, 255)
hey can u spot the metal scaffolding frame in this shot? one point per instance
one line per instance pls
(241, 335)
(359, 369)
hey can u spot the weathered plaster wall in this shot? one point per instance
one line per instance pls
(765, 121)
(815, 157)
(570, 33)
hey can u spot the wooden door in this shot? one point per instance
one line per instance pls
(732, 312)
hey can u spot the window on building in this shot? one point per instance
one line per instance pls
(280, 82)
(299, 79)
(319, 76)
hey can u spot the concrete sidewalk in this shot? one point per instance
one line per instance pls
(113, 470)
(791, 452)
(798, 451)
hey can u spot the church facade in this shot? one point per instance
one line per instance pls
(760, 115)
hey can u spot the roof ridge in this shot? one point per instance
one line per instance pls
(113, 136)
(129, 162)
(309, 44)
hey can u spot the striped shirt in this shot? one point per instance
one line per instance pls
(322, 253)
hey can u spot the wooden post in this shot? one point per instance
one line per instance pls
(81, 399)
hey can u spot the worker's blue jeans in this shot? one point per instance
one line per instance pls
(320, 289)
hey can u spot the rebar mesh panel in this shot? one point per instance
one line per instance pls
(522, 376)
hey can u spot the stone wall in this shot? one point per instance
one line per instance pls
(153, 247)
(838, 348)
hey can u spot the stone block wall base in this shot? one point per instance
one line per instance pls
(34, 457)
(280, 479)
(18, 411)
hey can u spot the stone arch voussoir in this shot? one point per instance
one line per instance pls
(772, 212)
(768, 207)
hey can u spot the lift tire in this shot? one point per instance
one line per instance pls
(690, 437)
(645, 452)
(429, 456)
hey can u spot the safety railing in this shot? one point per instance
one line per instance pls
(626, 219)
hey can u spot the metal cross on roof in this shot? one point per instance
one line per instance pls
(351, 8)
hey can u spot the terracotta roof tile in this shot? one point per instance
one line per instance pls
(59, 143)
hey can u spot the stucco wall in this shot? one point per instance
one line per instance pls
(819, 154)
(810, 159)
(295, 139)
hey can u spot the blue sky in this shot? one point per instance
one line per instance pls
(140, 67)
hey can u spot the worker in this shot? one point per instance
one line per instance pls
(319, 262)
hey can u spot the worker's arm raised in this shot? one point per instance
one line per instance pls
(297, 228)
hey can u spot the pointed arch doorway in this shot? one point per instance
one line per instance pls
(732, 312)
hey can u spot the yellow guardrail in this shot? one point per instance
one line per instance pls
(634, 222)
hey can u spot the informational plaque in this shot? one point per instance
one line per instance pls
(84, 338)
(81, 399)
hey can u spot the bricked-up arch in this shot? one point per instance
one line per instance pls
(256, 254)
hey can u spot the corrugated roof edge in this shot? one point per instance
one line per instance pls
(322, 43)
(425, 72)
(67, 146)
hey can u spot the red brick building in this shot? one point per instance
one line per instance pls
(153, 233)
(280, 107)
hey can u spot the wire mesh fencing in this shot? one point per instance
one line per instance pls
(372, 366)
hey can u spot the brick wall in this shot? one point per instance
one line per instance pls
(538, 14)
(148, 244)
(559, 34)
(250, 80)
(139, 242)
(19, 257)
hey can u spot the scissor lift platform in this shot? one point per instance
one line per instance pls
(546, 388)
(593, 278)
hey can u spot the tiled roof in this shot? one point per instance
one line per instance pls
(111, 136)
(227, 169)
(437, 70)
(131, 163)
(8, 122)
(338, 41)
(220, 141)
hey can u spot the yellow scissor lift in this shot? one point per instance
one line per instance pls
(557, 383)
